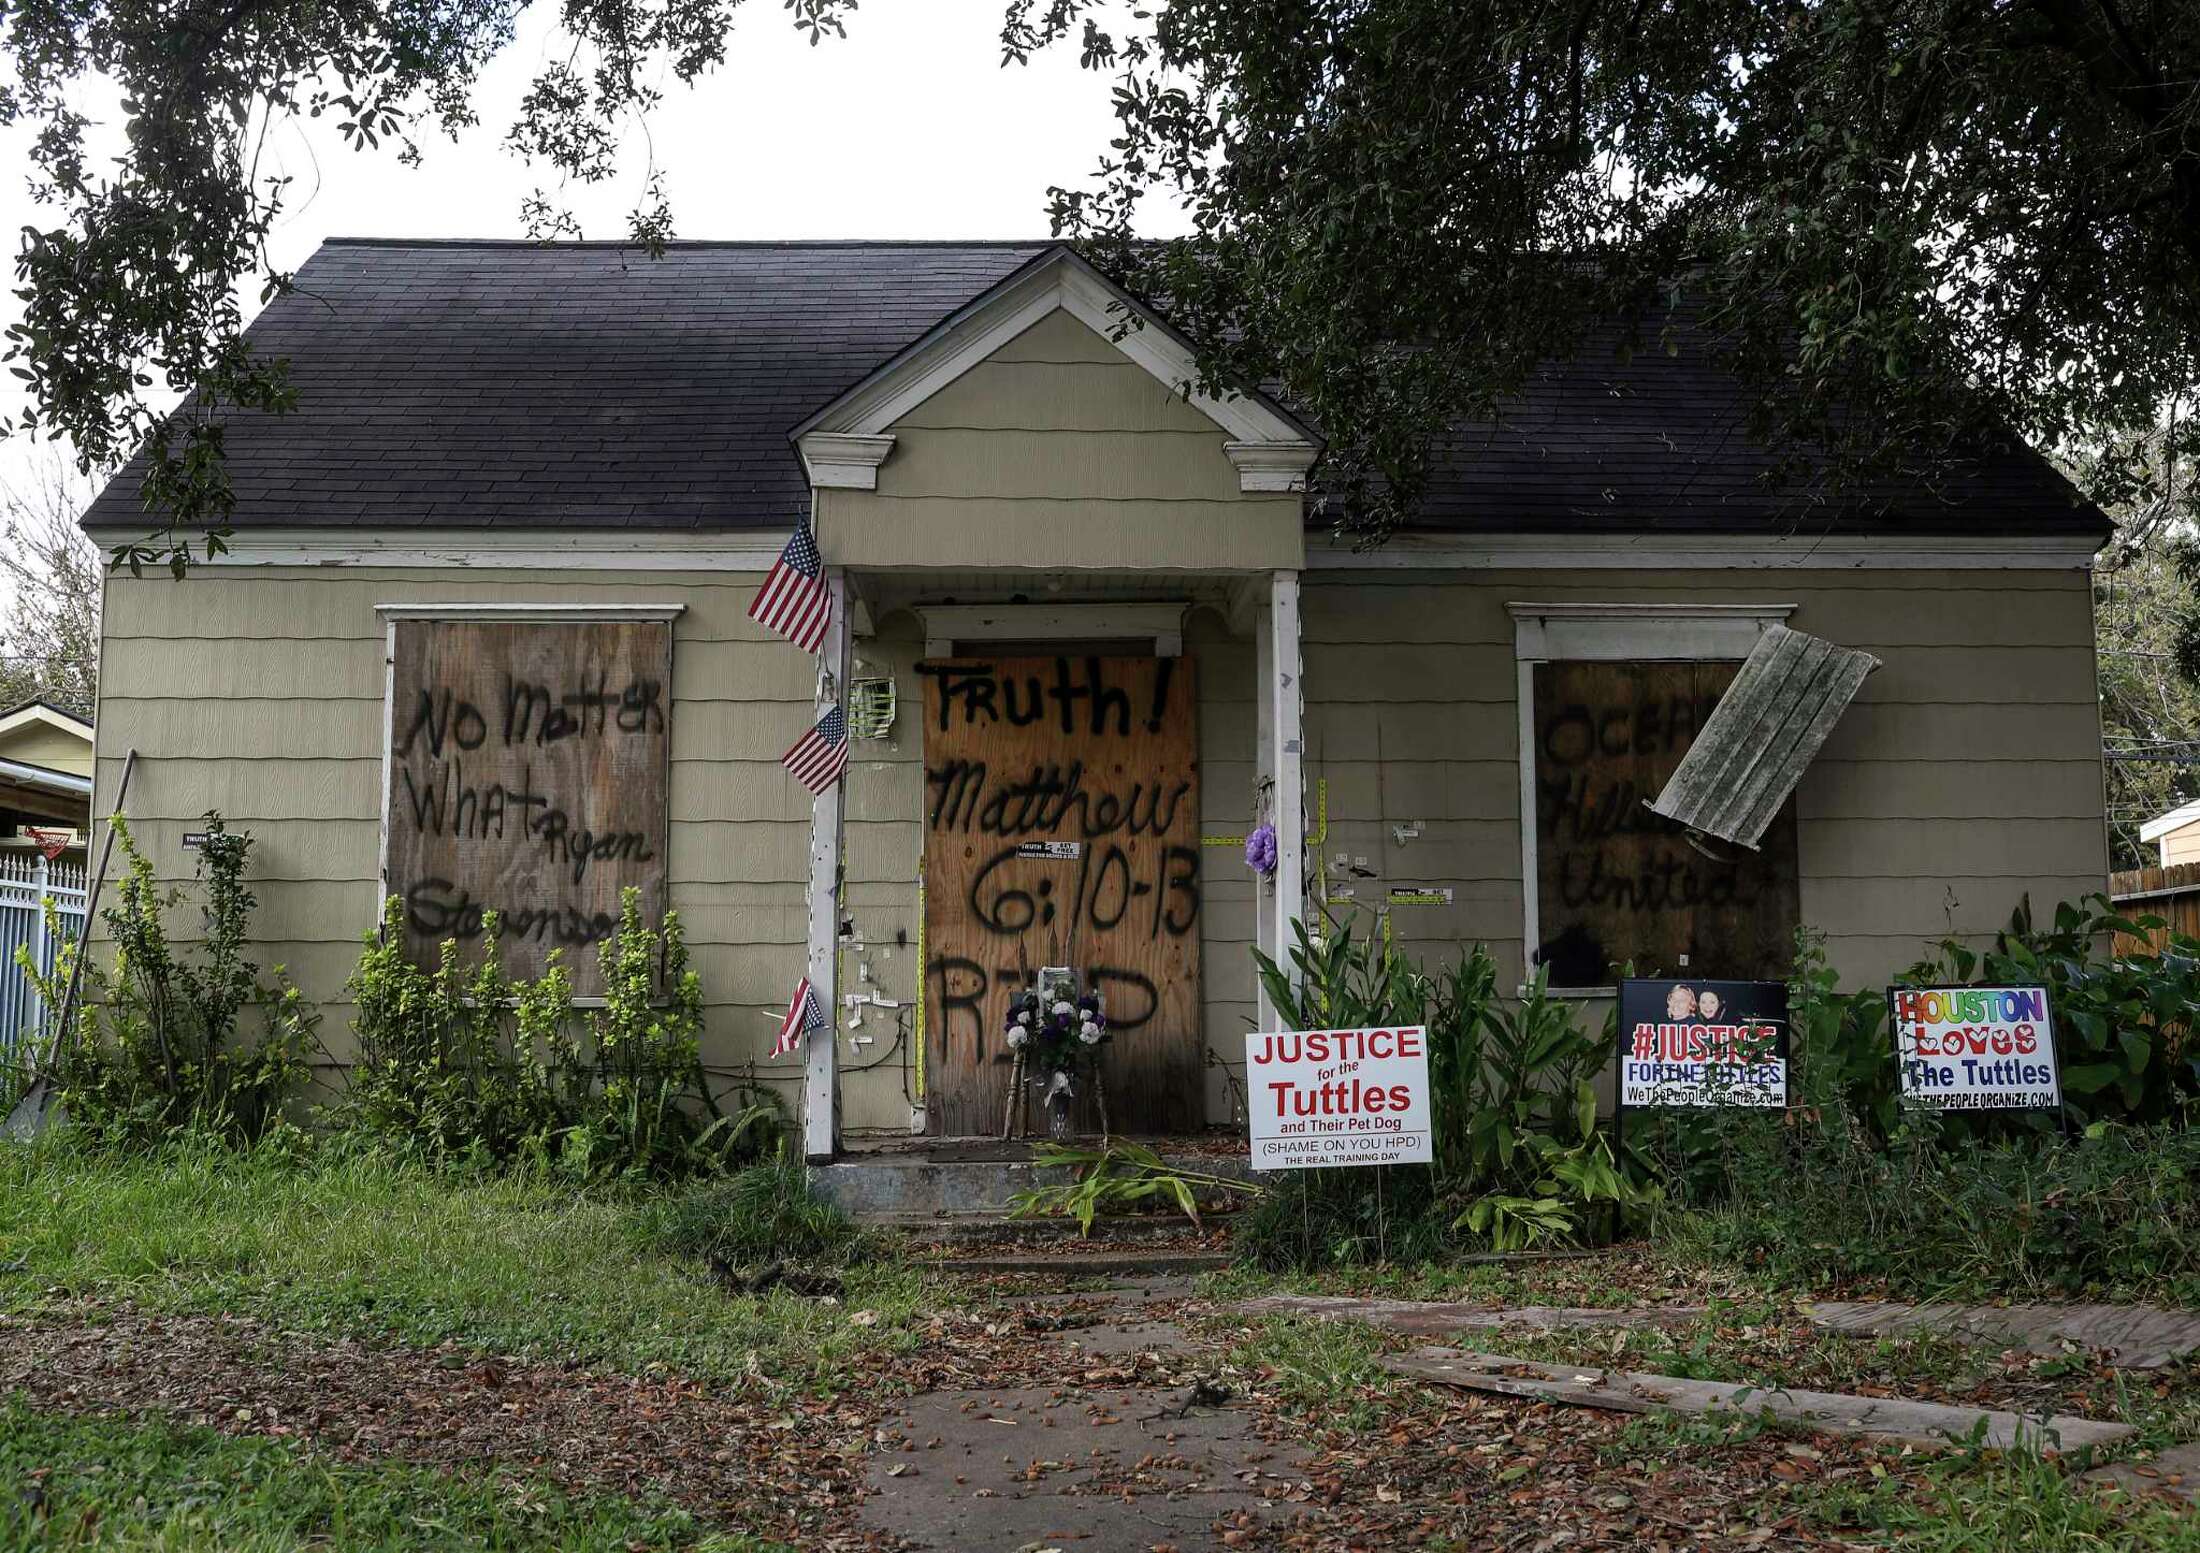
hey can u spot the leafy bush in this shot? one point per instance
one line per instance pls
(2116, 1209)
(1120, 1178)
(765, 1211)
(459, 1064)
(169, 1040)
(1520, 1156)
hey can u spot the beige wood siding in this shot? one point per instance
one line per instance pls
(1057, 451)
(2181, 846)
(259, 693)
(1966, 776)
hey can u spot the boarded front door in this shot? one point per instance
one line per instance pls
(1062, 828)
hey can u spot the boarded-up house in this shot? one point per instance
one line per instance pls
(482, 638)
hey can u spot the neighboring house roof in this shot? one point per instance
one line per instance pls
(42, 737)
(47, 713)
(2177, 819)
(580, 385)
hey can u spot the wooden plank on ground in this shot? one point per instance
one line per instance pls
(2136, 1337)
(2174, 1473)
(1925, 1425)
(1431, 1318)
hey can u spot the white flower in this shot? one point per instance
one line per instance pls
(1065, 1008)
(1023, 1016)
(1017, 1037)
(1089, 1033)
(1060, 1086)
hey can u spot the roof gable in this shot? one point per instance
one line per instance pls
(843, 442)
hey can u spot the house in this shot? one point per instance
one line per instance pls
(482, 639)
(45, 779)
(2178, 832)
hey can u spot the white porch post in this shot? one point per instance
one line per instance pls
(1286, 756)
(821, 1059)
(1264, 776)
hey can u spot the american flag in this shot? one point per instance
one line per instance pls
(795, 601)
(821, 755)
(803, 1016)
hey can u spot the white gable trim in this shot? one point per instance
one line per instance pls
(2153, 830)
(1264, 440)
(23, 717)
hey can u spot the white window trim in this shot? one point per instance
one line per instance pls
(1610, 633)
(519, 614)
(947, 624)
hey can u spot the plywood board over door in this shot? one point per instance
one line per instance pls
(1062, 828)
(527, 775)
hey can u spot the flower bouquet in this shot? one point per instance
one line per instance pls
(1053, 1028)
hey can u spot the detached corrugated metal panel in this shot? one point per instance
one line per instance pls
(1763, 735)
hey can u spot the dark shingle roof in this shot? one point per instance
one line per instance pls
(485, 384)
(1654, 440)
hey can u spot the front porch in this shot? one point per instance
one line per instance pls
(984, 862)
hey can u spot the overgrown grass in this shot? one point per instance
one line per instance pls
(1331, 1369)
(765, 1211)
(115, 1483)
(2014, 1503)
(2112, 1214)
(350, 1241)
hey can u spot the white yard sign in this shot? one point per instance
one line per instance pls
(1338, 1097)
(1975, 1048)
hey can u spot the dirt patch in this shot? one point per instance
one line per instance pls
(789, 1470)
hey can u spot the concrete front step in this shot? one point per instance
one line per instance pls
(1159, 1261)
(927, 1182)
(991, 1228)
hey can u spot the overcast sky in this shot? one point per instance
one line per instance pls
(908, 127)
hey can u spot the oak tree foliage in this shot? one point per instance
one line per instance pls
(1905, 220)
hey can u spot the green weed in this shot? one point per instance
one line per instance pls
(350, 1241)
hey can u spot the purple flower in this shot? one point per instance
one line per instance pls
(1260, 850)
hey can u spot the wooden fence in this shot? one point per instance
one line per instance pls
(2173, 894)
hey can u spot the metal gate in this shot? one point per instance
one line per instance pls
(27, 881)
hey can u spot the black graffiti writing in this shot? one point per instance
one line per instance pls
(1577, 734)
(963, 987)
(1010, 893)
(1675, 881)
(442, 802)
(1078, 691)
(445, 720)
(439, 909)
(535, 714)
(1045, 801)
(1580, 809)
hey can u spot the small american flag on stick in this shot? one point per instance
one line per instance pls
(803, 1016)
(821, 755)
(795, 601)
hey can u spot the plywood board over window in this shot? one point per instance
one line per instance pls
(1617, 884)
(527, 776)
(1062, 828)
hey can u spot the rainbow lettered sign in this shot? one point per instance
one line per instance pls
(1975, 1048)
